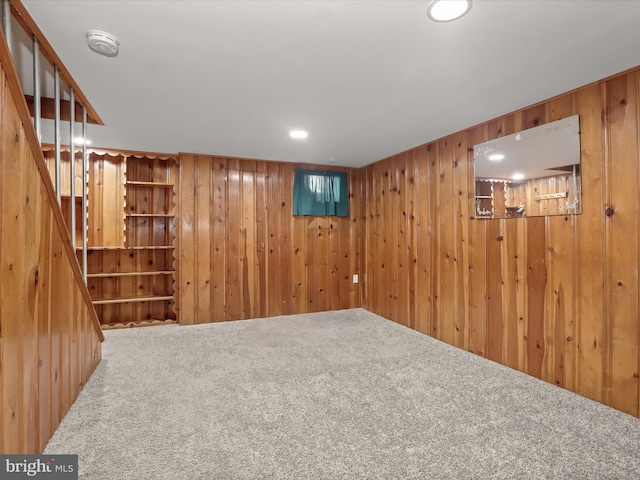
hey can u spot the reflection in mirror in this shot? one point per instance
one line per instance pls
(530, 173)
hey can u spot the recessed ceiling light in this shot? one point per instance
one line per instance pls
(298, 134)
(448, 10)
(496, 157)
(518, 176)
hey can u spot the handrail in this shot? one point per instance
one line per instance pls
(13, 83)
(25, 20)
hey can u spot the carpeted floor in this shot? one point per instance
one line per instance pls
(337, 395)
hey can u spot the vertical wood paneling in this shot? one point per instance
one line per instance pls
(274, 253)
(218, 242)
(410, 244)
(236, 231)
(356, 241)
(333, 264)
(536, 294)
(31, 280)
(435, 242)
(38, 379)
(393, 241)
(622, 243)
(494, 286)
(187, 240)
(44, 329)
(203, 220)
(591, 249)
(106, 201)
(260, 242)
(386, 233)
(462, 193)
(404, 270)
(555, 297)
(422, 244)
(477, 270)
(13, 303)
(312, 264)
(234, 247)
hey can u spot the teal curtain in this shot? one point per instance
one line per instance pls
(317, 192)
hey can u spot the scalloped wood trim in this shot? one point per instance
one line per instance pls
(141, 323)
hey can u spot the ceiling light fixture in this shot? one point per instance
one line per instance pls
(518, 176)
(496, 157)
(103, 43)
(298, 134)
(448, 10)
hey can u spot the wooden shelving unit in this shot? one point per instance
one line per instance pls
(130, 257)
(132, 281)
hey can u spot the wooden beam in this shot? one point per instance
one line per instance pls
(27, 23)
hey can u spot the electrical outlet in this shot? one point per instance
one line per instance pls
(355, 278)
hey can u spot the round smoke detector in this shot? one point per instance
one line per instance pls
(103, 43)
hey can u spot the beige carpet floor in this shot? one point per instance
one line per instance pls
(336, 395)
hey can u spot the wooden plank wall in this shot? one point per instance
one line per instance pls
(106, 194)
(243, 255)
(50, 339)
(555, 297)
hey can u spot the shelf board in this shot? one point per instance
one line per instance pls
(142, 247)
(149, 184)
(484, 196)
(130, 274)
(151, 298)
(154, 215)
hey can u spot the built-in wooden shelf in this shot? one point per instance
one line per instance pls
(130, 274)
(131, 263)
(143, 247)
(152, 298)
(156, 215)
(149, 184)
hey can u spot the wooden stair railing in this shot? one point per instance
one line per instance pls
(27, 23)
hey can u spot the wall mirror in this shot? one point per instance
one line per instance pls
(534, 172)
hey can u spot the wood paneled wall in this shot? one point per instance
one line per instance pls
(243, 255)
(106, 194)
(555, 297)
(49, 333)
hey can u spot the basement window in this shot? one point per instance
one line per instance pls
(320, 193)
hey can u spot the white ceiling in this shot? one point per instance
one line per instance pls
(367, 79)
